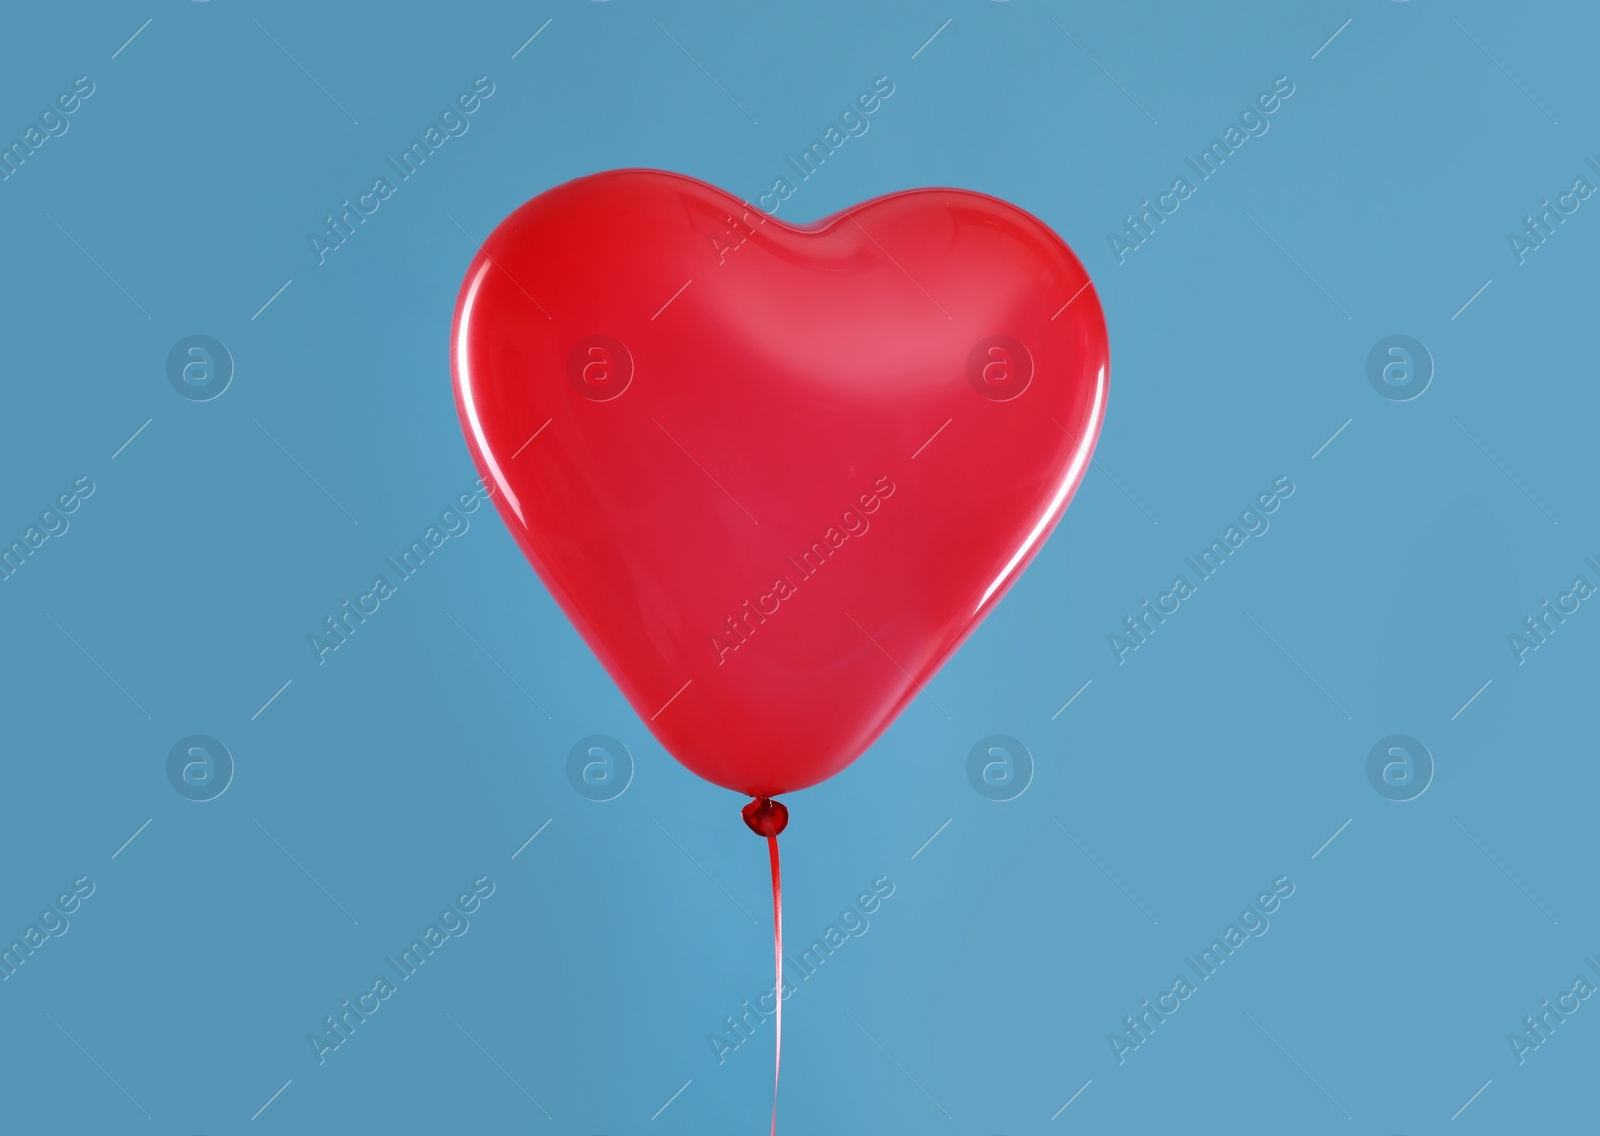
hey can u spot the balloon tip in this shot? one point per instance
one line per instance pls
(766, 817)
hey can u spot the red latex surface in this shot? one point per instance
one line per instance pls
(776, 475)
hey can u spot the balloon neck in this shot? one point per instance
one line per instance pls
(766, 817)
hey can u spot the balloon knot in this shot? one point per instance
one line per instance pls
(766, 817)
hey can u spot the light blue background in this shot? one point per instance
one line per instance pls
(1221, 755)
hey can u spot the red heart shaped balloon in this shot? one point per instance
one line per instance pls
(775, 475)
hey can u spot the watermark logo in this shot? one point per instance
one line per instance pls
(600, 767)
(199, 367)
(1540, 225)
(1400, 767)
(854, 121)
(600, 368)
(453, 121)
(51, 924)
(53, 121)
(1252, 923)
(1252, 122)
(200, 768)
(853, 923)
(999, 367)
(452, 923)
(1000, 768)
(1538, 1029)
(1537, 629)
(750, 617)
(52, 523)
(351, 616)
(1399, 367)
(1137, 629)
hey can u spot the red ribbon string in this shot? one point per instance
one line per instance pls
(766, 817)
(777, 951)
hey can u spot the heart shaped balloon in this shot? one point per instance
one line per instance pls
(775, 475)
